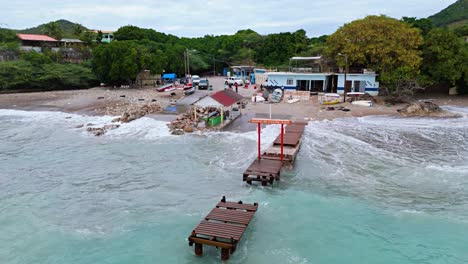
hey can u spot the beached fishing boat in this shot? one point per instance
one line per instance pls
(330, 99)
(363, 103)
(189, 91)
(166, 88)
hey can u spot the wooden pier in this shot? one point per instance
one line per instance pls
(267, 167)
(263, 170)
(223, 227)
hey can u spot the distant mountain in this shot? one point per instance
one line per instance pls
(454, 15)
(67, 27)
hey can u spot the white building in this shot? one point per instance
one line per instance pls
(358, 82)
(323, 82)
(299, 81)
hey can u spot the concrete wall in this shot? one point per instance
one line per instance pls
(371, 85)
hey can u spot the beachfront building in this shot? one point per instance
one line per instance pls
(71, 43)
(358, 82)
(314, 82)
(225, 100)
(107, 35)
(35, 42)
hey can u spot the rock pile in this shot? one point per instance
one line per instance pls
(419, 109)
(133, 115)
(425, 108)
(125, 118)
(99, 131)
(186, 123)
(182, 123)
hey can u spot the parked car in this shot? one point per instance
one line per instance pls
(233, 80)
(195, 79)
(203, 84)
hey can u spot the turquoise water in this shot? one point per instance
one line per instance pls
(364, 190)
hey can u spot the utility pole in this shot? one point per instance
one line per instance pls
(188, 62)
(345, 71)
(185, 63)
(214, 66)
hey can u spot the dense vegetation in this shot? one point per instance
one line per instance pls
(65, 28)
(457, 13)
(400, 51)
(35, 71)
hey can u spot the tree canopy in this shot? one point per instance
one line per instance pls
(54, 30)
(377, 42)
(445, 57)
(121, 61)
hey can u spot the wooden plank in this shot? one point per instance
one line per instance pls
(230, 216)
(209, 242)
(290, 139)
(300, 123)
(265, 166)
(220, 230)
(232, 205)
(294, 129)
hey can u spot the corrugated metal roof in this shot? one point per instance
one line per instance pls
(71, 40)
(227, 97)
(307, 58)
(34, 37)
(208, 102)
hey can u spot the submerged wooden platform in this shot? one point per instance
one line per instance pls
(223, 227)
(263, 170)
(268, 168)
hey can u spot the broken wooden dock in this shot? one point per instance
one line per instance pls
(263, 170)
(223, 227)
(267, 167)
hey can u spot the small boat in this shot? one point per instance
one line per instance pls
(355, 94)
(363, 103)
(189, 91)
(188, 86)
(330, 99)
(166, 88)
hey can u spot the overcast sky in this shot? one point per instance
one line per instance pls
(193, 18)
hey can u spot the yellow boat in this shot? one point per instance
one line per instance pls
(330, 99)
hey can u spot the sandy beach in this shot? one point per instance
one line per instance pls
(116, 101)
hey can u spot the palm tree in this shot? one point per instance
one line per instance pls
(54, 30)
(78, 30)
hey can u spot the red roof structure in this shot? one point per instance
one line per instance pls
(34, 37)
(227, 97)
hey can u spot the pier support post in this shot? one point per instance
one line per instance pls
(198, 249)
(282, 140)
(259, 129)
(224, 254)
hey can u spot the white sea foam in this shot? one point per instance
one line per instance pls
(142, 128)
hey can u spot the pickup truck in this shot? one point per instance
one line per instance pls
(233, 80)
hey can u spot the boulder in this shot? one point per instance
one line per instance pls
(188, 129)
(177, 132)
(420, 109)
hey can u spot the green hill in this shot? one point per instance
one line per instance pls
(453, 16)
(67, 27)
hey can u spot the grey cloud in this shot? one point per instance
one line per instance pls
(192, 18)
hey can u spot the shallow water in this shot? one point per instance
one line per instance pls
(363, 190)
